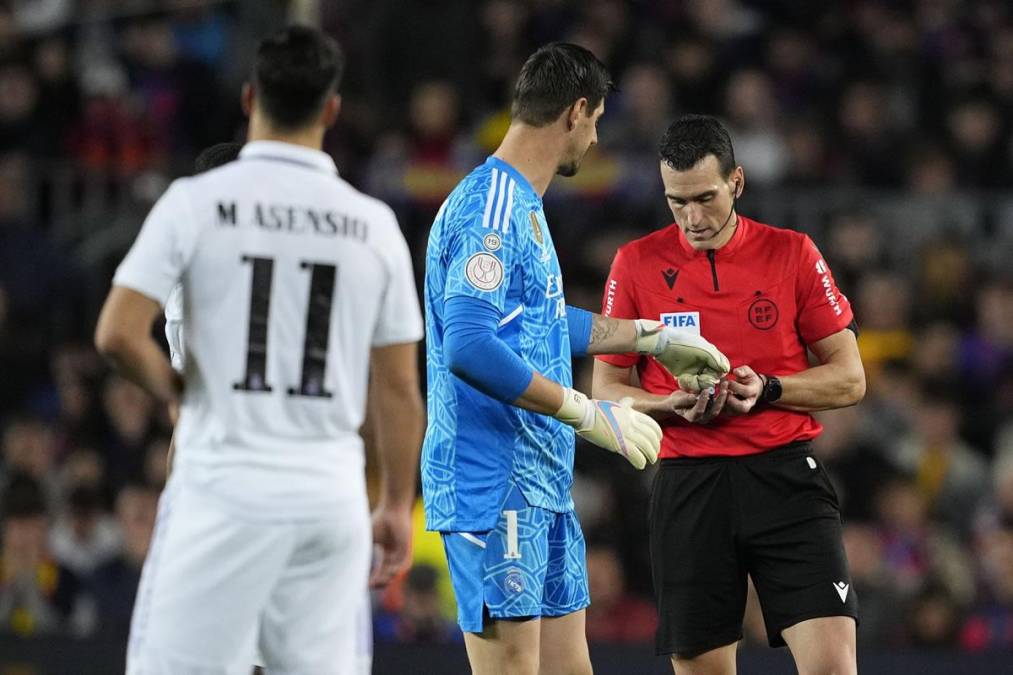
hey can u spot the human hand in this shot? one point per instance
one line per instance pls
(745, 390)
(392, 537)
(709, 404)
(693, 361)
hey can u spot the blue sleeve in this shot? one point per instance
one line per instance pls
(477, 355)
(482, 254)
(579, 323)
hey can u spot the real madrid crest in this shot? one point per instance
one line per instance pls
(536, 228)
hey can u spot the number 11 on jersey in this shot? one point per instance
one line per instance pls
(318, 328)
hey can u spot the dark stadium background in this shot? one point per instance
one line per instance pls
(881, 128)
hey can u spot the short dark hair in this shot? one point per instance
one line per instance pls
(295, 70)
(216, 155)
(691, 138)
(553, 78)
(23, 498)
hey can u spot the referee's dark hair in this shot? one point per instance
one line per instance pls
(553, 79)
(216, 155)
(691, 138)
(296, 69)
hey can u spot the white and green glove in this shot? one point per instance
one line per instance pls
(613, 426)
(695, 363)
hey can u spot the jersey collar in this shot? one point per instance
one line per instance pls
(734, 244)
(289, 153)
(514, 173)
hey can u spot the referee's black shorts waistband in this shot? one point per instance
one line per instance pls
(786, 451)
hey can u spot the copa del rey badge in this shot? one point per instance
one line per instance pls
(484, 271)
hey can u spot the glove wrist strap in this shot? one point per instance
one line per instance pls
(576, 411)
(650, 338)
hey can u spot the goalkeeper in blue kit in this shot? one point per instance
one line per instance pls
(497, 462)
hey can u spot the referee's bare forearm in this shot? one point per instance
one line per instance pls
(838, 382)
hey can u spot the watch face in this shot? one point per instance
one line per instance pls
(772, 391)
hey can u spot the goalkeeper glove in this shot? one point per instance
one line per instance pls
(695, 363)
(613, 426)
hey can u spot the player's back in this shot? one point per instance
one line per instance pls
(292, 276)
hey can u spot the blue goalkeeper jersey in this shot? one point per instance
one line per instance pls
(490, 241)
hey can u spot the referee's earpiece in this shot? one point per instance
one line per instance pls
(738, 189)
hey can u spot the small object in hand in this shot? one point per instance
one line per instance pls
(710, 399)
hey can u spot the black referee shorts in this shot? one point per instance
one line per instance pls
(714, 520)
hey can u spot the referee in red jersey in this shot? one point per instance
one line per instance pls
(738, 491)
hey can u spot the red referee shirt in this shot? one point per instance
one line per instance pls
(760, 299)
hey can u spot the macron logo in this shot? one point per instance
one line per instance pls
(842, 590)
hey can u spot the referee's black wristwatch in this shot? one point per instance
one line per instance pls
(771, 388)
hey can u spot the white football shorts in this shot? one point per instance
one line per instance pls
(216, 586)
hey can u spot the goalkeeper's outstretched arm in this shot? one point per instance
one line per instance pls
(473, 352)
(693, 361)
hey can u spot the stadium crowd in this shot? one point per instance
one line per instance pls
(881, 128)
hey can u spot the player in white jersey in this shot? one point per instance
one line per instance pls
(211, 158)
(295, 288)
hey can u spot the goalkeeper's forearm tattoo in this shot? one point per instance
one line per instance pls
(602, 328)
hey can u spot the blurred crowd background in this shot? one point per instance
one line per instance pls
(881, 128)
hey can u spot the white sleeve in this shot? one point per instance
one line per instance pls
(400, 319)
(163, 247)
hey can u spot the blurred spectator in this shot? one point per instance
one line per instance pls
(27, 450)
(420, 618)
(990, 625)
(615, 615)
(19, 97)
(112, 132)
(975, 131)
(944, 281)
(987, 349)
(890, 403)
(630, 129)
(59, 92)
(695, 71)
(951, 477)
(114, 584)
(37, 594)
(873, 145)
(807, 153)
(934, 618)
(882, 604)
(931, 172)
(84, 537)
(914, 549)
(884, 310)
(752, 117)
(855, 246)
(506, 46)
(128, 412)
(935, 353)
(854, 458)
(180, 96)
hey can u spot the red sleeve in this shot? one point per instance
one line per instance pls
(822, 309)
(618, 301)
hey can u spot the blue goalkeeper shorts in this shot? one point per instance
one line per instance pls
(531, 565)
